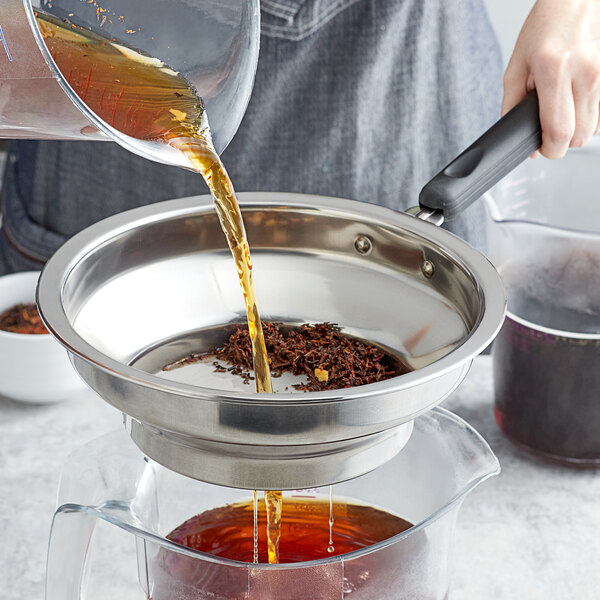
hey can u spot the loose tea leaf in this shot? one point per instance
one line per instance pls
(327, 357)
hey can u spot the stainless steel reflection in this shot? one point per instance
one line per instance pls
(259, 467)
(143, 288)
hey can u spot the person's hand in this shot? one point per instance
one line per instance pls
(558, 54)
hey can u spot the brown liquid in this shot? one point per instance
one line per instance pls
(145, 99)
(228, 531)
(274, 505)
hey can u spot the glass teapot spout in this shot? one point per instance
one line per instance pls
(443, 461)
(469, 456)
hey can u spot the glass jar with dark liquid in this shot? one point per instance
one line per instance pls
(547, 391)
(544, 238)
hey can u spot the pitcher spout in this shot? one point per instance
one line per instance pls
(475, 460)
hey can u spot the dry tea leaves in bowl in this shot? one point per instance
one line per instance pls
(22, 318)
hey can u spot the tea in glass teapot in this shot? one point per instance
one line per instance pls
(126, 527)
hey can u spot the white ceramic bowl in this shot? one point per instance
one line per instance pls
(33, 367)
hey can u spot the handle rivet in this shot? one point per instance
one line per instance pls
(427, 269)
(363, 245)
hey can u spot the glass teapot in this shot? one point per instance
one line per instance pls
(543, 229)
(116, 507)
(213, 44)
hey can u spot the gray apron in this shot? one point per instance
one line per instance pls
(362, 99)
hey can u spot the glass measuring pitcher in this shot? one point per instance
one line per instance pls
(544, 239)
(213, 44)
(116, 507)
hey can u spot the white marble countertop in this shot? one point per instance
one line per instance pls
(531, 533)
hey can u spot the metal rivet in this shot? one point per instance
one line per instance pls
(427, 268)
(363, 245)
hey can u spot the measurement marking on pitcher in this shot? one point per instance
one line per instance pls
(4, 44)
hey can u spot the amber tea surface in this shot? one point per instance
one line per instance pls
(228, 531)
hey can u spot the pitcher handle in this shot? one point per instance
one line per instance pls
(70, 537)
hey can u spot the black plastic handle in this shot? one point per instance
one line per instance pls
(495, 154)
